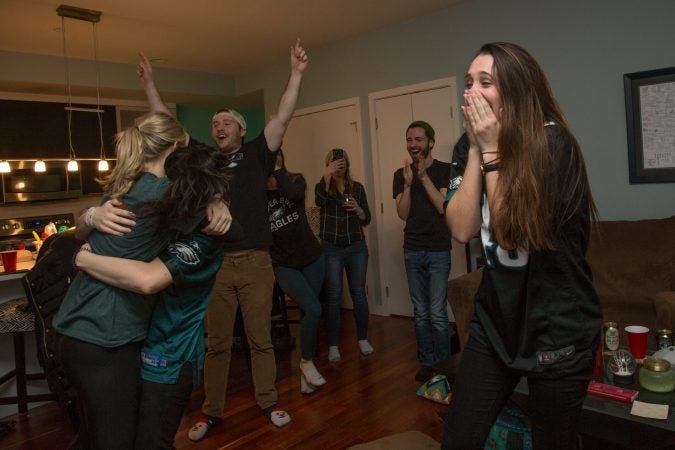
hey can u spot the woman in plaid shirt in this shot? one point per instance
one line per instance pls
(344, 213)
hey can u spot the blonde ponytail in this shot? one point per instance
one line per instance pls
(151, 135)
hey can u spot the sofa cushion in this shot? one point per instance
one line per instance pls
(461, 293)
(632, 256)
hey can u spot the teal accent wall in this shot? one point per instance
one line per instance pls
(197, 121)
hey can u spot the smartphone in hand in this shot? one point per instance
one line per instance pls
(338, 153)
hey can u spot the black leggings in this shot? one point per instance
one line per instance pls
(161, 410)
(108, 383)
(484, 384)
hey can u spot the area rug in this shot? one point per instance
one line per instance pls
(402, 441)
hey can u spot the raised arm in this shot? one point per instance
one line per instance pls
(144, 71)
(276, 127)
(462, 213)
(131, 275)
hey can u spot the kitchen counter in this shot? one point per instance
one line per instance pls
(21, 268)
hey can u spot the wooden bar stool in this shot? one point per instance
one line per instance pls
(16, 318)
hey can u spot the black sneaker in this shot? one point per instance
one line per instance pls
(424, 373)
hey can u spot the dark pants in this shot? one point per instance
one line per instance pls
(484, 384)
(108, 383)
(161, 410)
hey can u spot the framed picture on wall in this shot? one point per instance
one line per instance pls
(650, 121)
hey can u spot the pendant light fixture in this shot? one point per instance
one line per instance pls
(40, 166)
(94, 17)
(5, 167)
(102, 164)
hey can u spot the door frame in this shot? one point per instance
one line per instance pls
(378, 178)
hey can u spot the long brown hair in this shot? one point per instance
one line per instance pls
(199, 174)
(526, 164)
(349, 183)
(291, 175)
(150, 136)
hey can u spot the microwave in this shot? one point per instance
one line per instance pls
(23, 184)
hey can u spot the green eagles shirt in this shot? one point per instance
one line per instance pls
(176, 331)
(95, 312)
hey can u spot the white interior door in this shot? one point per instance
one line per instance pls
(312, 133)
(391, 113)
(394, 114)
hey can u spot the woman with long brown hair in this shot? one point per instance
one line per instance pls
(297, 259)
(344, 213)
(524, 185)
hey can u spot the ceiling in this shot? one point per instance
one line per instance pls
(215, 36)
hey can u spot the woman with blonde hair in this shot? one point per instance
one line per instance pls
(101, 328)
(344, 213)
(521, 181)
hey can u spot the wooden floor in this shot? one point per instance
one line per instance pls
(366, 398)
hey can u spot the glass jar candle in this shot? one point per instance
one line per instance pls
(656, 375)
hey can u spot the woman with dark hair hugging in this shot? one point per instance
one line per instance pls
(172, 354)
(537, 315)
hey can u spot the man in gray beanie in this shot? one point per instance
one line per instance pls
(246, 279)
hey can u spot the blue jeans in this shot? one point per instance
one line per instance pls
(304, 285)
(482, 386)
(428, 285)
(353, 259)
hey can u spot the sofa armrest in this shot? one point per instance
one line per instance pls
(461, 293)
(664, 304)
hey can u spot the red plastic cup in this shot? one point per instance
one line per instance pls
(637, 340)
(9, 260)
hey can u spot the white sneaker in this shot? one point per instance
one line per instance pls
(305, 386)
(334, 354)
(365, 347)
(310, 373)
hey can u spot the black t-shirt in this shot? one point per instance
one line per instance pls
(294, 242)
(250, 166)
(425, 228)
(539, 309)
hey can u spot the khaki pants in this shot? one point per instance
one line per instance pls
(246, 280)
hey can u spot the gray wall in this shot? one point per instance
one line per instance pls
(584, 46)
(49, 70)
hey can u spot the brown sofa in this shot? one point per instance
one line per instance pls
(633, 264)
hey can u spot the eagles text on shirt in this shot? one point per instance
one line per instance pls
(278, 213)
